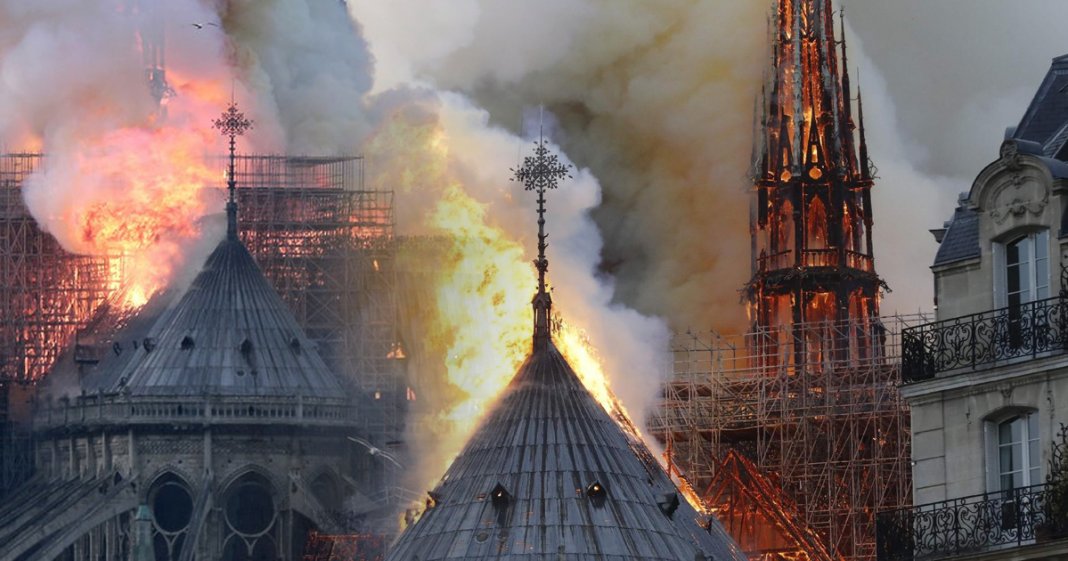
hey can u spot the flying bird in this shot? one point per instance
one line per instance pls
(201, 25)
(375, 451)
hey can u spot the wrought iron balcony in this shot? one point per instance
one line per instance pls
(1028, 330)
(1025, 516)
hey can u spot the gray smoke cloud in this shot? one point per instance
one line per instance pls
(657, 100)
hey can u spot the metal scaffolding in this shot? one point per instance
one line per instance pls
(327, 246)
(325, 242)
(46, 293)
(828, 427)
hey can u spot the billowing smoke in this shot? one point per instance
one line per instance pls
(302, 71)
(657, 100)
(125, 171)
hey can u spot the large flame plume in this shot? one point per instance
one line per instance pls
(127, 173)
(482, 321)
(139, 206)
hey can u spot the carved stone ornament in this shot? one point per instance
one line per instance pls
(1010, 155)
(1018, 196)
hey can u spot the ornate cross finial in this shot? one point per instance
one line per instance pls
(541, 172)
(233, 124)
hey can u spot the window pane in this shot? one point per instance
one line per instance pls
(1042, 272)
(1035, 477)
(1017, 479)
(1014, 278)
(1042, 245)
(1012, 253)
(1007, 465)
(1025, 246)
(1032, 454)
(1005, 432)
(1032, 427)
(1025, 283)
(1006, 482)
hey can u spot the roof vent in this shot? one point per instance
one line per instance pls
(597, 494)
(294, 344)
(149, 344)
(187, 343)
(246, 350)
(500, 499)
(668, 503)
(116, 348)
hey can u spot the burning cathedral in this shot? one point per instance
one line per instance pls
(236, 418)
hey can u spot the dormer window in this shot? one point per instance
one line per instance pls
(1021, 277)
(1023, 270)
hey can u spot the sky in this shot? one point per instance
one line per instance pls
(959, 71)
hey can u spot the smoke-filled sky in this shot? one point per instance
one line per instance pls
(656, 98)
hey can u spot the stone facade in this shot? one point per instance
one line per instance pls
(988, 382)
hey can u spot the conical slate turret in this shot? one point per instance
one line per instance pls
(549, 475)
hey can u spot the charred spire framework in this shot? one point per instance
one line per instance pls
(812, 216)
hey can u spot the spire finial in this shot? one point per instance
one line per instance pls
(233, 124)
(865, 163)
(541, 172)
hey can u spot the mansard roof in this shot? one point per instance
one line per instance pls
(229, 334)
(550, 475)
(1046, 117)
(961, 240)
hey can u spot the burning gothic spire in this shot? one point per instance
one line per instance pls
(812, 214)
(541, 172)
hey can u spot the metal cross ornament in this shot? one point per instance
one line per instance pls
(541, 172)
(233, 124)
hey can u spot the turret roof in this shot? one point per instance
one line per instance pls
(229, 334)
(550, 475)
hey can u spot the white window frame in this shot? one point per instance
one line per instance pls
(1030, 449)
(1037, 289)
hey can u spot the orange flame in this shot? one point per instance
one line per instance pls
(483, 317)
(138, 196)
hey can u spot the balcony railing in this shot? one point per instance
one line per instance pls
(816, 258)
(975, 524)
(1028, 330)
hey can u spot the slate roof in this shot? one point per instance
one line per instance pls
(962, 238)
(1048, 112)
(1042, 134)
(229, 334)
(526, 486)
